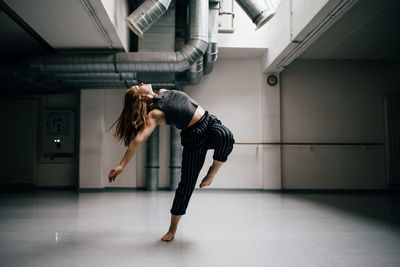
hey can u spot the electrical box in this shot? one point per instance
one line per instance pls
(58, 138)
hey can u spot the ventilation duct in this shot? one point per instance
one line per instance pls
(175, 166)
(152, 162)
(212, 50)
(259, 11)
(195, 72)
(96, 76)
(146, 15)
(124, 63)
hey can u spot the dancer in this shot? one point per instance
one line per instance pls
(143, 110)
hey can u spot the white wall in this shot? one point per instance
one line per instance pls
(271, 133)
(99, 151)
(326, 101)
(234, 92)
(245, 35)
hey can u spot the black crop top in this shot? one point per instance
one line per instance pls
(178, 107)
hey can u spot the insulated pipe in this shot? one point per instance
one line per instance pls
(259, 11)
(101, 84)
(195, 72)
(96, 76)
(152, 163)
(212, 50)
(178, 61)
(112, 84)
(210, 57)
(146, 15)
(100, 81)
(157, 86)
(175, 164)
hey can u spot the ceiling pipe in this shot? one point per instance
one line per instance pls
(121, 64)
(111, 84)
(88, 82)
(105, 83)
(259, 11)
(211, 53)
(152, 161)
(133, 62)
(140, 20)
(195, 72)
(96, 76)
(98, 85)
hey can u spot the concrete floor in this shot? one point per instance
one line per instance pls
(221, 228)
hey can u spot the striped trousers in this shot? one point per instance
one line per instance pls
(207, 133)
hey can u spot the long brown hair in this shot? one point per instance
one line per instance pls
(134, 117)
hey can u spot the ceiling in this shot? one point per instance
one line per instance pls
(370, 30)
(31, 28)
(34, 28)
(16, 42)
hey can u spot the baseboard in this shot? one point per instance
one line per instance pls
(341, 191)
(33, 187)
(118, 189)
(30, 188)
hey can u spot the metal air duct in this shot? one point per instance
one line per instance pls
(259, 11)
(195, 72)
(152, 162)
(134, 62)
(96, 76)
(212, 50)
(106, 84)
(175, 165)
(146, 15)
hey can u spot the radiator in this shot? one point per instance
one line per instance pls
(392, 121)
(18, 141)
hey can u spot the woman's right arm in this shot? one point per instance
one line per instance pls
(140, 138)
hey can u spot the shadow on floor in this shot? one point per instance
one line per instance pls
(381, 207)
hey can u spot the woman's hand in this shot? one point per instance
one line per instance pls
(114, 172)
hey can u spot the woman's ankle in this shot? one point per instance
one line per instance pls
(172, 229)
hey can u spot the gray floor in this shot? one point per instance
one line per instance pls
(221, 228)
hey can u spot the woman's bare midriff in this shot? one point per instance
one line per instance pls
(197, 115)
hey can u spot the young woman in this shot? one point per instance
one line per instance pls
(144, 110)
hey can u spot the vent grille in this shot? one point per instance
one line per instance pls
(18, 140)
(392, 112)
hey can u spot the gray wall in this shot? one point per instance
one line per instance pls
(59, 171)
(326, 101)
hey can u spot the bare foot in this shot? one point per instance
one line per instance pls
(168, 236)
(206, 181)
